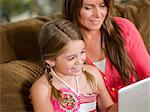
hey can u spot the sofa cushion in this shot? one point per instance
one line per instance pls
(136, 11)
(16, 80)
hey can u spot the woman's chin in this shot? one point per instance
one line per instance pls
(94, 28)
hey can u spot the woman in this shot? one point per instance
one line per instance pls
(113, 44)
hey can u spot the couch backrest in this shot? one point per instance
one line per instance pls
(19, 40)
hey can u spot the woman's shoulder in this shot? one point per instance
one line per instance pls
(125, 25)
(123, 21)
(128, 29)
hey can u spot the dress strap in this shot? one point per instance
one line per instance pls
(77, 83)
(76, 79)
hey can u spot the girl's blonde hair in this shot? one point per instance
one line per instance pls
(54, 36)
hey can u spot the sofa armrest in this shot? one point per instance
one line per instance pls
(16, 78)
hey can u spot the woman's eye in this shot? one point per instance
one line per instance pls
(102, 5)
(88, 7)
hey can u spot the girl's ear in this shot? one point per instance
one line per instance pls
(50, 62)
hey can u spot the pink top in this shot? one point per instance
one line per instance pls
(136, 51)
(71, 102)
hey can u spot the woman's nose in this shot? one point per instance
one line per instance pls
(97, 12)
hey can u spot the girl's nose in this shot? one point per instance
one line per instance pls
(79, 60)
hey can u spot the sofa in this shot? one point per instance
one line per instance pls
(20, 63)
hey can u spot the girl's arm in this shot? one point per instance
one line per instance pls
(104, 100)
(40, 96)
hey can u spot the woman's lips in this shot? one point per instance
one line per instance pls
(96, 22)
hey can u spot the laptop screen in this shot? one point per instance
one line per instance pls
(135, 97)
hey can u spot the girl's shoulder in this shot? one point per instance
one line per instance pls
(41, 86)
(92, 70)
(40, 95)
(89, 68)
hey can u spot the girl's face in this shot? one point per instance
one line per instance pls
(92, 14)
(70, 61)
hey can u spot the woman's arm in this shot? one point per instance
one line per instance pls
(135, 47)
(138, 53)
(40, 96)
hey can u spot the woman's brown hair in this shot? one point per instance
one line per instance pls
(111, 37)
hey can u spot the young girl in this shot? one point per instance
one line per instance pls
(68, 85)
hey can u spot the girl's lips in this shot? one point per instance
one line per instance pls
(77, 69)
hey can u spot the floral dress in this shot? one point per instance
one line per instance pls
(72, 101)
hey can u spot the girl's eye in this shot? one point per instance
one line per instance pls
(82, 52)
(70, 58)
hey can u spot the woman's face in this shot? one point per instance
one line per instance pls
(92, 14)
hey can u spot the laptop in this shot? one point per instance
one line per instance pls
(135, 97)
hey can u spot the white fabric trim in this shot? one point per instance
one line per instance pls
(86, 107)
(101, 65)
(76, 78)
